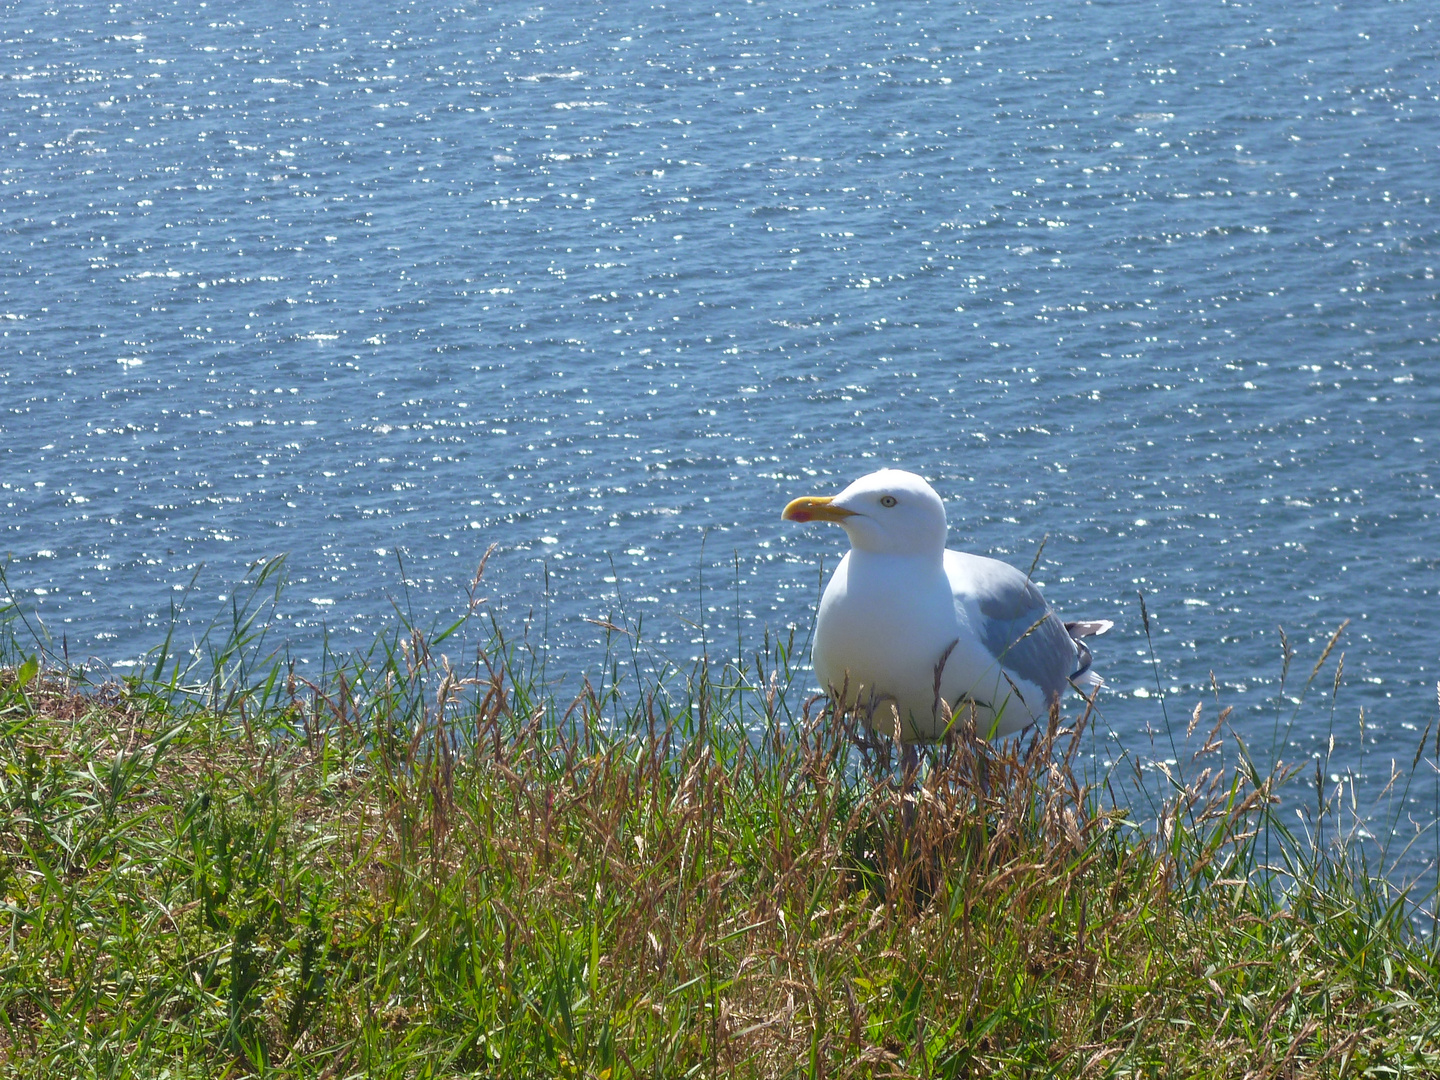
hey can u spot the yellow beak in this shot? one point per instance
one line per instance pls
(815, 508)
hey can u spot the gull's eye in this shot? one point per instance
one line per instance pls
(888, 500)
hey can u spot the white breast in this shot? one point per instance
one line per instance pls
(884, 625)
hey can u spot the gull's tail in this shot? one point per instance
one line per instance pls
(1085, 679)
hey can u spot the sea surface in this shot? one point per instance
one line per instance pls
(377, 286)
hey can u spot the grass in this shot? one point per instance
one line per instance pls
(404, 867)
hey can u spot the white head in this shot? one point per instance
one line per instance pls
(890, 512)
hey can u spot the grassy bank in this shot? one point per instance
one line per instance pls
(404, 867)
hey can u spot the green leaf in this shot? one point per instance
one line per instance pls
(28, 671)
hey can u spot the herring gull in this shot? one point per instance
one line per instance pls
(900, 604)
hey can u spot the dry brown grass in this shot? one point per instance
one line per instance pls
(408, 872)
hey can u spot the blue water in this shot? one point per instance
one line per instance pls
(606, 285)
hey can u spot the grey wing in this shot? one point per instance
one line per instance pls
(1024, 634)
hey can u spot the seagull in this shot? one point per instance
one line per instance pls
(914, 634)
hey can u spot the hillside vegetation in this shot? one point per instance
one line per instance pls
(408, 867)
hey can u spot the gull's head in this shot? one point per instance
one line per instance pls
(890, 512)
